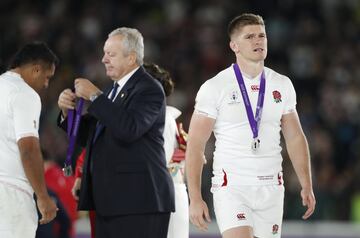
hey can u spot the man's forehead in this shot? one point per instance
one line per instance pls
(112, 41)
(249, 29)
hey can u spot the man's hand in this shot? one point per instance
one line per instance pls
(199, 214)
(308, 200)
(47, 208)
(76, 188)
(66, 101)
(84, 88)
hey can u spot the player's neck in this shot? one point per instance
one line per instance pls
(250, 68)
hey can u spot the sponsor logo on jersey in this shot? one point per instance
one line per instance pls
(241, 216)
(277, 96)
(255, 88)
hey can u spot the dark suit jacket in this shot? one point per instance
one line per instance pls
(128, 168)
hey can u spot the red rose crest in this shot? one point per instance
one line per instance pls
(275, 229)
(277, 96)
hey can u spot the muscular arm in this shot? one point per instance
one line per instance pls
(199, 133)
(31, 158)
(298, 150)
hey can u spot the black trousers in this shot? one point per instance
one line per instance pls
(152, 225)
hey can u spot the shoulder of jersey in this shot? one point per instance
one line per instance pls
(273, 75)
(222, 78)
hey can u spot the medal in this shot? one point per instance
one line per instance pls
(254, 120)
(255, 145)
(67, 170)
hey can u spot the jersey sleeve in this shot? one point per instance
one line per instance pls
(206, 101)
(26, 109)
(290, 103)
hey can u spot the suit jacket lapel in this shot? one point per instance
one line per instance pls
(130, 84)
(120, 98)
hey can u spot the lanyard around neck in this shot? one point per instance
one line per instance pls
(72, 131)
(253, 121)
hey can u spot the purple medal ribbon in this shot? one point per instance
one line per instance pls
(72, 131)
(253, 121)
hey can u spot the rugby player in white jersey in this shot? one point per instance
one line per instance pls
(247, 183)
(21, 163)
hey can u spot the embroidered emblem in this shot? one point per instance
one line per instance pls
(255, 88)
(34, 122)
(234, 97)
(275, 229)
(241, 216)
(277, 96)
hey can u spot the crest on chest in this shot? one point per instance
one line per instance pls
(234, 97)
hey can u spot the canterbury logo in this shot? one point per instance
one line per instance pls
(241, 216)
(255, 88)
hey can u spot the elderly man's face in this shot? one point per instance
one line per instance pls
(116, 63)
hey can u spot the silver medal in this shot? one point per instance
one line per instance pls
(67, 170)
(255, 145)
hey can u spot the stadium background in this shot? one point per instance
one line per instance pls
(314, 42)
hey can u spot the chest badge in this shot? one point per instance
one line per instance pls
(277, 96)
(234, 97)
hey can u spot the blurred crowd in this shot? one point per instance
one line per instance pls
(314, 42)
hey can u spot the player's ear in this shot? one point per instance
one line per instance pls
(233, 46)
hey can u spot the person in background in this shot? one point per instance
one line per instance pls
(125, 179)
(22, 169)
(61, 186)
(246, 106)
(175, 145)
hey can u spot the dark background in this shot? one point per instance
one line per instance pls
(314, 42)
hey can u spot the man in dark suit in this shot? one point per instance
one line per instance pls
(125, 179)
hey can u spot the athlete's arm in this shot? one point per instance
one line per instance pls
(200, 130)
(32, 161)
(298, 150)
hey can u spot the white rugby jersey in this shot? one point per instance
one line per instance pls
(20, 108)
(170, 131)
(234, 161)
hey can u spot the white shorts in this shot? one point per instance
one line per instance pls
(18, 215)
(179, 220)
(260, 207)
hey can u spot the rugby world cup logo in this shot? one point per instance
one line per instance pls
(234, 97)
(277, 96)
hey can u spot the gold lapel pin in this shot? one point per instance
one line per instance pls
(122, 95)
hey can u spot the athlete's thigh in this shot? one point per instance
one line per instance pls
(238, 232)
(268, 214)
(232, 209)
(18, 214)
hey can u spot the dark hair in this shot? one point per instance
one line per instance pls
(243, 20)
(162, 75)
(34, 52)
